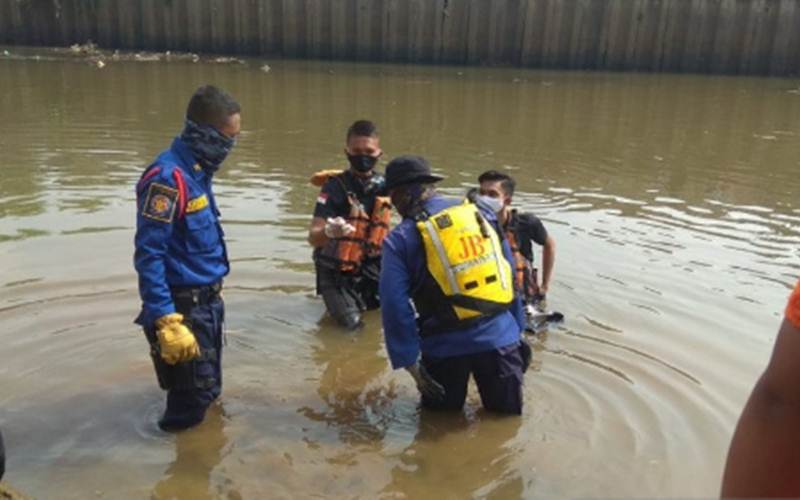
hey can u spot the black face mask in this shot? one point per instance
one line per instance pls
(362, 163)
(409, 201)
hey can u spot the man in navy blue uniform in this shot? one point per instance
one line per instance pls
(419, 316)
(181, 258)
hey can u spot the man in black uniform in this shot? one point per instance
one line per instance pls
(521, 229)
(349, 224)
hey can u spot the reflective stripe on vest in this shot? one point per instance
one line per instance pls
(464, 255)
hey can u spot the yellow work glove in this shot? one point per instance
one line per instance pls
(177, 342)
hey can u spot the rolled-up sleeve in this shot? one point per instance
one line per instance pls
(399, 317)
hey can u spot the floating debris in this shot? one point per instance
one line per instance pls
(96, 56)
(227, 60)
(147, 57)
(265, 68)
(88, 48)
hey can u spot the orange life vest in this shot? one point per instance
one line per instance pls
(367, 239)
(370, 229)
(525, 275)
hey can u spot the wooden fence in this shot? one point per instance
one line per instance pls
(703, 36)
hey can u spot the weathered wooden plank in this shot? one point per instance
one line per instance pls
(552, 26)
(649, 27)
(577, 51)
(217, 26)
(6, 27)
(105, 23)
(691, 47)
(338, 29)
(62, 24)
(80, 31)
(620, 29)
(129, 24)
(495, 22)
(150, 36)
(274, 23)
(363, 22)
(454, 31)
(787, 18)
(475, 20)
(761, 36)
(315, 41)
(400, 33)
(416, 26)
(172, 33)
(709, 33)
(635, 33)
(436, 25)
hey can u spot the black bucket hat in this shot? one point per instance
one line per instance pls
(409, 169)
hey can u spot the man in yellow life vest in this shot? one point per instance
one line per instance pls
(350, 222)
(521, 229)
(449, 308)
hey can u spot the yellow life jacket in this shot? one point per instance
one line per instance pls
(464, 255)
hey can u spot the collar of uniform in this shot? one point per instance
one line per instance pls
(354, 183)
(187, 161)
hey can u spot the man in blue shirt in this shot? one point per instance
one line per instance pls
(420, 318)
(181, 258)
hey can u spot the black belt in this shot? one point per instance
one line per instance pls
(197, 295)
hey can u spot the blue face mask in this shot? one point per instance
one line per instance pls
(495, 204)
(209, 146)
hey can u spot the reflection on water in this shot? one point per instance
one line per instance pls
(197, 453)
(672, 199)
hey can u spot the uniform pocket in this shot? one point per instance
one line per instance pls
(202, 234)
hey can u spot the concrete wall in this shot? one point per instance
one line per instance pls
(704, 36)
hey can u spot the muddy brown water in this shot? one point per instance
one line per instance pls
(672, 200)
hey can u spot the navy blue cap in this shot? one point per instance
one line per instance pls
(409, 169)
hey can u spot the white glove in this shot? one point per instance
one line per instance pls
(338, 228)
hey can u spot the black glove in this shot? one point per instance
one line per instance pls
(526, 353)
(427, 386)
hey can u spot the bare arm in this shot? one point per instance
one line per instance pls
(316, 232)
(764, 456)
(548, 261)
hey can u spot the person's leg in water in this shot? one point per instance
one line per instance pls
(194, 385)
(368, 284)
(340, 296)
(453, 374)
(499, 376)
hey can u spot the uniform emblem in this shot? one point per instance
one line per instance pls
(160, 203)
(322, 198)
(444, 221)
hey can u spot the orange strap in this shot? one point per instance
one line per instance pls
(793, 307)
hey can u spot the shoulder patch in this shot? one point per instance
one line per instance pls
(160, 203)
(197, 204)
(322, 198)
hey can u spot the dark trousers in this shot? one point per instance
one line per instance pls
(498, 374)
(192, 386)
(347, 296)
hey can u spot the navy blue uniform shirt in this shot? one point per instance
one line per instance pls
(179, 240)
(402, 271)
